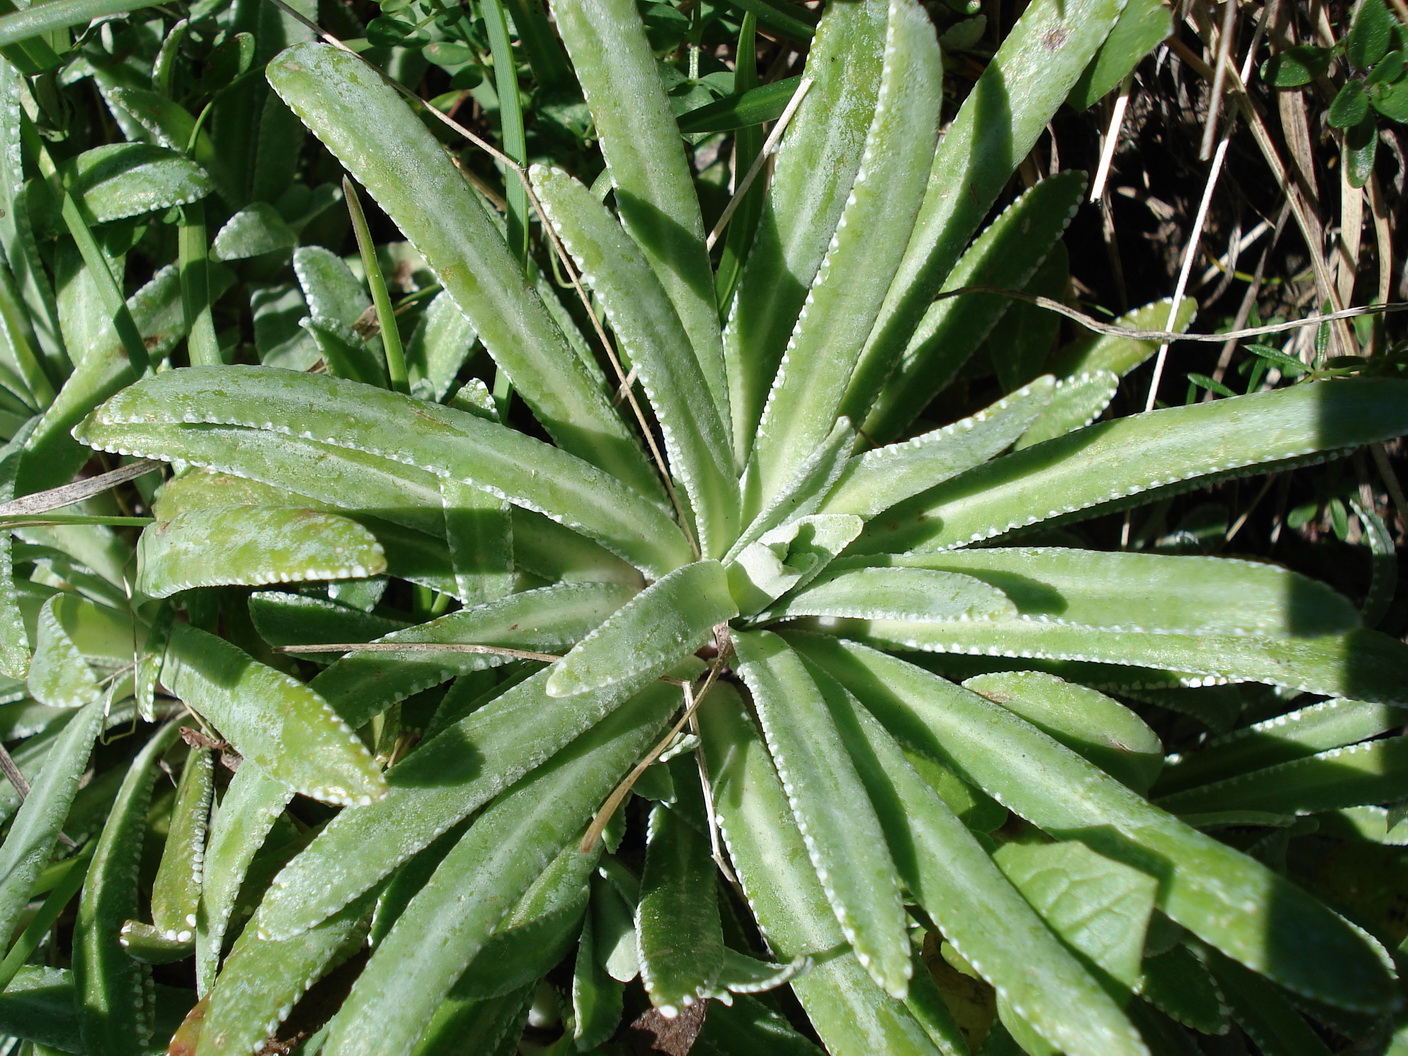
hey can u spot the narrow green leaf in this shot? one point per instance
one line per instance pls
(695, 430)
(284, 727)
(896, 594)
(365, 123)
(1120, 355)
(263, 979)
(651, 633)
(115, 1015)
(596, 997)
(1086, 721)
(864, 253)
(1179, 984)
(1077, 401)
(805, 490)
(1040, 60)
(247, 811)
(878, 479)
(479, 881)
(58, 674)
(1142, 26)
(654, 190)
(677, 918)
(787, 557)
(978, 910)
(1098, 906)
(1273, 927)
(253, 546)
(1150, 593)
(35, 830)
(175, 892)
(849, 1011)
(390, 426)
(832, 812)
(439, 784)
(119, 180)
(1263, 1012)
(1110, 463)
(888, 395)
(812, 176)
(22, 25)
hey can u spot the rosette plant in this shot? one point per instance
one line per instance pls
(891, 782)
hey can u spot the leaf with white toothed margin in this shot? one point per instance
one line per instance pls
(481, 879)
(832, 810)
(788, 557)
(58, 674)
(896, 594)
(1228, 899)
(365, 122)
(652, 632)
(175, 893)
(876, 480)
(1107, 464)
(845, 1005)
(253, 546)
(1077, 401)
(394, 427)
(443, 781)
(287, 729)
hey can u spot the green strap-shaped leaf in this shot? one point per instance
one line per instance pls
(115, 1015)
(1151, 593)
(1142, 25)
(1077, 401)
(1007, 255)
(1263, 1012)
(262, 980)
(479, 534)
(876, 480)
(439, 347)
(897, 594)
(677, 918)
(248, 810)
(830, 805)
(31, 837)
(253, 545)
(1086, 721)
(14, 638)
(865, 250)
(1274, 927)
(1112, 462)
(1008, 109)
(850, 1012)
(175, 892)
(440, 783)
(285, 728)
(1317, 728)
(388, 425)
(1178, 983)
(596, 997)
(654, 188)
(549, 619)
(651, 633)
(1363, 664)
(372, 131)
(481, 879)
(695, 429)
(1098, 906)
(1373, 772)
(812, 177)
(978, 910)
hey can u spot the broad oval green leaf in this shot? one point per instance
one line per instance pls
(253, 546)
(119, 180)
(285, 728)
